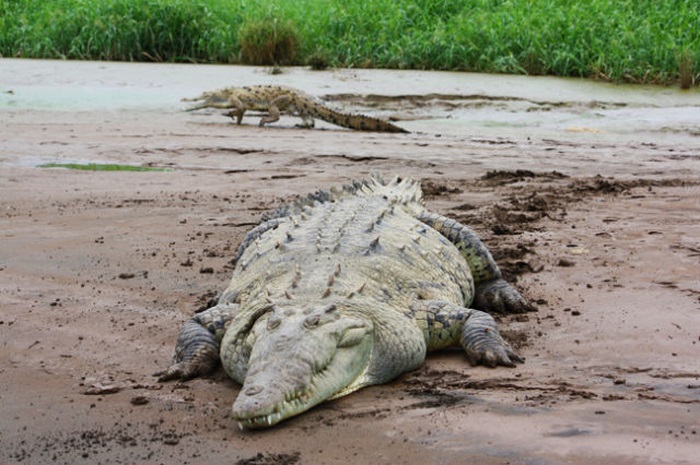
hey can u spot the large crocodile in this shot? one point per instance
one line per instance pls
(344, 289)
(276, 100)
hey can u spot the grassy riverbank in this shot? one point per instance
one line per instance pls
(635, 41)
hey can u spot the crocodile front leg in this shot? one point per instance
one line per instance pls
(197, 346)
(239, 109)
(445, 324)
(492, 292)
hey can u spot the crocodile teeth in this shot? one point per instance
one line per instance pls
(263, 420)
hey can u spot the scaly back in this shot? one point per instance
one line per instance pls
(405, 192)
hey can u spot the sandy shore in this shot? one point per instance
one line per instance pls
(587, 194)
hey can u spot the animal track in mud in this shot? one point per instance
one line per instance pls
(446, 388)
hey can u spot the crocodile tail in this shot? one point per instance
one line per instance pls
(354, 121)
(397, 191)
(198, 107)
(216, 99)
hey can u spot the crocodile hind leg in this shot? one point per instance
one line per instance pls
(197, 346)
(445, 324)
(275, 107)
(492, 292)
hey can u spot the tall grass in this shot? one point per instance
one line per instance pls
(124, 30)
(620, 40)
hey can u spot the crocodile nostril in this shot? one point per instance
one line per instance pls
(252, 390)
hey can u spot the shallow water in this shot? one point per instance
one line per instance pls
(449, 103)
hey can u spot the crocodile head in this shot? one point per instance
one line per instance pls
(298, 359)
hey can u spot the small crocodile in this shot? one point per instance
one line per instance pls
(281, 99)
(344, 289)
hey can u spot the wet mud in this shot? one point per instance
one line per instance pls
(98, 270)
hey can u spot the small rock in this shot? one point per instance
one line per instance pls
(139, 400)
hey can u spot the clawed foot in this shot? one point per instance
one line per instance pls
(180, 371)
(494, 355)
(174, 371)
(191, 361)
(199, 365)
(484, 345)
(499, 296)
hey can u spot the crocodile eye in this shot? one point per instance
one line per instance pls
(273, 322)
(312, 321)
(330, 308)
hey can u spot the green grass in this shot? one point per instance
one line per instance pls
(644, 41)
(99, 167)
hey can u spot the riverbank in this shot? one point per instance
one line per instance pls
(590, 207)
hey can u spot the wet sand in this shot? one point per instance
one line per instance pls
(587, 195)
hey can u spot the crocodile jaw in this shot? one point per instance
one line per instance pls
(280, 388)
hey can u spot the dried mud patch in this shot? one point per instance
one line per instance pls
(433, 188)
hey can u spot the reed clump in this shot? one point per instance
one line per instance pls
(268, 42)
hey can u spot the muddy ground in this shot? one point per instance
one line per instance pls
(587, 194)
